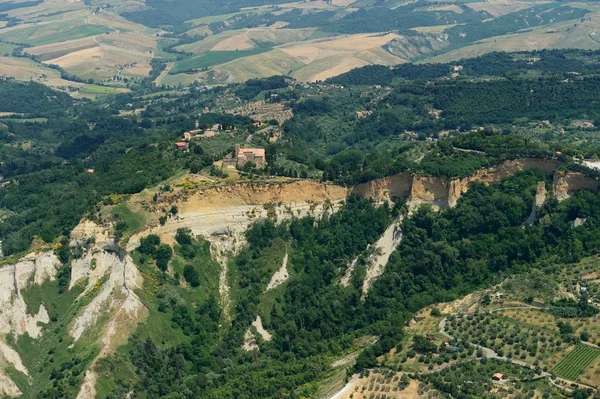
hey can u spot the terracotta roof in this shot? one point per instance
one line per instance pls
(181, 144)
(257, 152)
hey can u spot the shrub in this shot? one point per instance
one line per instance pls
(191, 275)
(163, 256)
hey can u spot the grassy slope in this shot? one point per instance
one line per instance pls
(211, 58)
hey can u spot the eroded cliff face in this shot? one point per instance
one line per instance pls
(107, 276)
(110, 277)
(566, 184)
(223, 214)
(30, 270)
(399, 185)
(429, 190)
(497, 173)
(444, 192)
(230, 210)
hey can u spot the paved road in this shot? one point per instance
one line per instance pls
(347, 388)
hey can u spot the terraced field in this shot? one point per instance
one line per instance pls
(576, 362)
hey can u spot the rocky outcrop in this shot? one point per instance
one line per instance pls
(280, 275)
(497, 173)
(565, 184)
(384, 247)
(110, 278)
(398, 185)
(538, 200)
(429, 190)
(33, 269)
(445, 192)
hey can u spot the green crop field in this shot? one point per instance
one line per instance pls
(95, 89)
(211, 58)
(52, 33)
(576, 362)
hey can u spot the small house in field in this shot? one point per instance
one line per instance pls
(497, 377)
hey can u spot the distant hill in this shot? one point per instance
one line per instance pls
(126, 45)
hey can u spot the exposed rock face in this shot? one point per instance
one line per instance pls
(280, 275)
(567, 183)
(539, 200)
(230, 210)
(32, 269)
(90, 230)
(429, 190)
(444, 192)
(110, 277)
(250, 343)
(540, 194)
(222, 215)
(384, 247)
(399, 185)
(8, 388)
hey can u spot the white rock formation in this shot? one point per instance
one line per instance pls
(384, 247)
(280, 275)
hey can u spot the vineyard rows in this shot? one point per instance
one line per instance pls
(576, 362)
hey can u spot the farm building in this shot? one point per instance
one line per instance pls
(181, 145)
(497, 377)
(241, 156)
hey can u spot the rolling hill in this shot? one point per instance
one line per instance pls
(120, 44)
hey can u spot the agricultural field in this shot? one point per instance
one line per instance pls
(474, 379)
(517, 328)
(309, 41)
(576, 362)
(99, 90)
(507, 338)
(211, 58)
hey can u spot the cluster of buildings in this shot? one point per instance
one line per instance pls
(241, 156)
(197, 133)
(236, 159)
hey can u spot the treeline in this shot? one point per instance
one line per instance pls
(378, 19)
(491, 64)
(525, 19)
(31, 98)
(163, 12)
(253, 87)
(467, 104)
